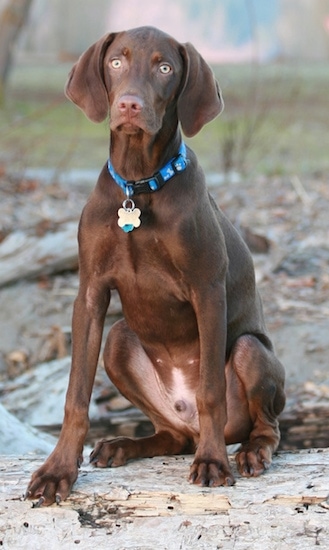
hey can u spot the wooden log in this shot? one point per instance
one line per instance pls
(305, 419)
(25, 256)
(149, 504)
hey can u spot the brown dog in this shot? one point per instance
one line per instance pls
(192, 351)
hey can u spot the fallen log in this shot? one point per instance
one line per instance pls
(27, 256)
(150, 504)
(305, 425)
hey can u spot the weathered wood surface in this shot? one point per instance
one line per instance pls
(26, 256)
(149, 504)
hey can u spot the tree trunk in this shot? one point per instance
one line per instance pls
(12, 19)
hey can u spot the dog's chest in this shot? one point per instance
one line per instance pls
(153, 266)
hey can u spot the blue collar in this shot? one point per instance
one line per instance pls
(149, 185)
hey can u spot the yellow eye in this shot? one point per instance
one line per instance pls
(165, 68)
(116, 63)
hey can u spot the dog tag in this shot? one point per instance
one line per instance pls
(128, 216)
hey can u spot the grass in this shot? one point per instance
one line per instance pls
(275, 121)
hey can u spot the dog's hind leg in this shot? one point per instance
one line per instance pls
(261, 376)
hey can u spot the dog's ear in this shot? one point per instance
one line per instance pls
(200, 100)
(85, 85)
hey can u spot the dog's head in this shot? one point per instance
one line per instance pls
(143, 78)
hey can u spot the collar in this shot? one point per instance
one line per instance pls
(149, 185)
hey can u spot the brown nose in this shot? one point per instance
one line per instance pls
(130, 104)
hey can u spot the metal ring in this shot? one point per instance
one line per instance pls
(127, 208)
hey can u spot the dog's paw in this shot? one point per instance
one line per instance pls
(210, 473)
(112, 453)
(52, 482)
(253, 459)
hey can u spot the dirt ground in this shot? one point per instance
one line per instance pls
(283, 219)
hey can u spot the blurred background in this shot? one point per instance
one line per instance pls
(266, 159)
(271, 59)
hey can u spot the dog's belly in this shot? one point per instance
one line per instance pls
(179, 392)
(178, 388)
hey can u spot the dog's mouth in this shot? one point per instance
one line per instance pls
(128, 128)
(131, 128)
(125, 124)
(131, 125)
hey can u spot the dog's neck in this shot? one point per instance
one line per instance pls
(138, 156)
(174, 166)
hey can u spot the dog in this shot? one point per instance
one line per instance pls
(192, 351)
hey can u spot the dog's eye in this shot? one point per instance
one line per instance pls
(165, 68)
(116, 63)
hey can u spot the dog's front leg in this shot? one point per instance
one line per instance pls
(53, 481)
(210, 466)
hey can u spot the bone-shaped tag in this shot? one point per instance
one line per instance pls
(129, 217)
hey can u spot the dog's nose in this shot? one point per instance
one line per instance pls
(131, 104)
